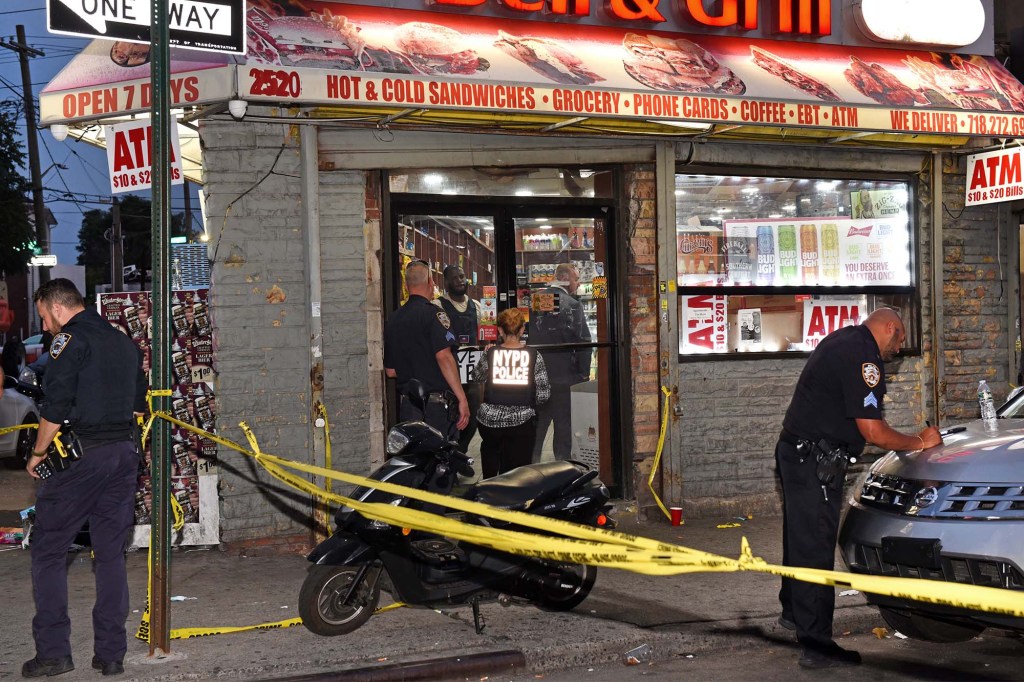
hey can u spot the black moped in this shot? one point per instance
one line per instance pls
(420, 569)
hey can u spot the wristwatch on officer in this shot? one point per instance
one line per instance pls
(39, 454)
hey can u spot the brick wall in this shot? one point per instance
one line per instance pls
(641, 232)
(261, 317)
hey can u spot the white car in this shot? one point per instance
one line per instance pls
(17, 409)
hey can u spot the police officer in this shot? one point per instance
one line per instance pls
(93, 384)
(836, 407)
(464, 314)
(418, 343)
(567, 366)
(515, 381)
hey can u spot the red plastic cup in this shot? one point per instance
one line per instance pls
(677, 515)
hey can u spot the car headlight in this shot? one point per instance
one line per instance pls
(397, 440)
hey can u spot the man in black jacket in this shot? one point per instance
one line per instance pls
(565, 324)
(93, 385)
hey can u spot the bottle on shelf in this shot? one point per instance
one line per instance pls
(575, 242)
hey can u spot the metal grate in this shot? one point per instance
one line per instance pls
(955, 569)
(972, 501)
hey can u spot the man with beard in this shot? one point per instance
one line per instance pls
(836, 408)
(464, 314)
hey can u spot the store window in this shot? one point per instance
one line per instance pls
(772, 265)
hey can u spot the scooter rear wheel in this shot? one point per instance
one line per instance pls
(577, 579)
(322, 600)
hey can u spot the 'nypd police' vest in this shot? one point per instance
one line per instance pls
(511, 377)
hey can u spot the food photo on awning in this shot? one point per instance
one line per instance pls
(338, 59)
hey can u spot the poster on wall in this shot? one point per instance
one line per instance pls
(825, 314)
(829, 251)
(749, 321)
(704, 323)
(193, 400)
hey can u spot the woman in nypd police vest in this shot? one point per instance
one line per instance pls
(515, 381)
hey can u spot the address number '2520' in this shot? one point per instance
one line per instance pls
(275, 83)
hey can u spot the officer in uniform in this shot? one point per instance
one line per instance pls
(836, 408)
(418, 343)
(464, 314)
(93, 384)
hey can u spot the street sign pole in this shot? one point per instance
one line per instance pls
(160, 538)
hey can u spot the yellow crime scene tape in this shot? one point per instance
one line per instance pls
(575, 543)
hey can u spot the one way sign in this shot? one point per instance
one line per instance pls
(216, 25)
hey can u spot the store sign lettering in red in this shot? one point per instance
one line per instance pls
(789, 16)
(994, 176)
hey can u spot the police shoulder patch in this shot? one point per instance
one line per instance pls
(59, 343)
(442, 317)
(872, 375)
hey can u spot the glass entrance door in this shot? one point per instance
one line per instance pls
(553, 263)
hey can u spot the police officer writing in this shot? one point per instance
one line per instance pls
(418, 343)
(566, 324)
(464, 315)
(836, 408)
(93, 384)
(515, 380)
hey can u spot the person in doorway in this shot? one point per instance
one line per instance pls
(464, 314)
(93, 385)
(418, 343)
(564, 324)
(515, 380)
(836, 408)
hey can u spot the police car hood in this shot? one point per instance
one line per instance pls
(974, 455)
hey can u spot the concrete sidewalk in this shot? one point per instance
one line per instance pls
(672, 614)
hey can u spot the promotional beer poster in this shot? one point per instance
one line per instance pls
(832, 251)
(193, 400)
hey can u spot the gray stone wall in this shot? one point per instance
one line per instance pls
(261, 315)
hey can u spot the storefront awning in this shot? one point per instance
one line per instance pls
(386, 66)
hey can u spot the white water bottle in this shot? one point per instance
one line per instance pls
(988, 408)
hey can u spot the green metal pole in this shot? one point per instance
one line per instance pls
(160, 539)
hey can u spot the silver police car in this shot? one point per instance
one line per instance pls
(953, 513)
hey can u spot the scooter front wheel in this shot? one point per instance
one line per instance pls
(574, 582)
(322, 603)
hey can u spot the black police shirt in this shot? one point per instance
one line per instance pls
(93, 378)
(413, 336)
(843, 380)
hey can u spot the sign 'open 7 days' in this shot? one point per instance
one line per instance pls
(215, 25)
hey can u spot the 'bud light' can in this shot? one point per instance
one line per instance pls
(788, 273)
(809, 253)
(765, 255)
(830, 253)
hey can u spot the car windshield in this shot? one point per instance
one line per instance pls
(1014, 405)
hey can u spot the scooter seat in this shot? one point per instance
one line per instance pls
(523, 486)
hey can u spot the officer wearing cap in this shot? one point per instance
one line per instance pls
(418, 343)
(836, 408)
(93, 385)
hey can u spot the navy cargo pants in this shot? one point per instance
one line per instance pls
(100, 489)
(810, 524)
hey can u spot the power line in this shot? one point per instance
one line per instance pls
(19, 11)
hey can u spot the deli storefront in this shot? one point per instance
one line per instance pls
(731, 184)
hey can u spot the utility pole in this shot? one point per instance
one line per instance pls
(31, 136)
(116, 247)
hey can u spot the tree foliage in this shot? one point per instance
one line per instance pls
(96, 233)
(16, 232)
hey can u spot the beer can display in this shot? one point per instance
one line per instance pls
(789, 273)
(765, 256)
(829, 264)
(809, 253)
(740, 251)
